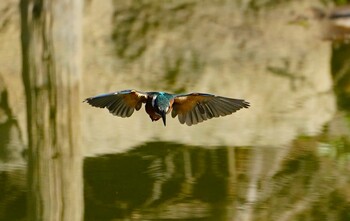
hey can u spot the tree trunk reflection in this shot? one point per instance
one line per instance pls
(51, 73)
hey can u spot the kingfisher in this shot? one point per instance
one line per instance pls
(191, 108)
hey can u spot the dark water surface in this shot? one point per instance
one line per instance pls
(306, 180)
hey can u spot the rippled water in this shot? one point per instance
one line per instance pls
(158, 180)
(306, 180)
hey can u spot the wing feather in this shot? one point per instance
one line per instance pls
(194, 117)
(208, 112)
(123, 110)
(197, 107)
(120, 103)
(213, 110)
(199, 114)
(189, 119)
(182, 118)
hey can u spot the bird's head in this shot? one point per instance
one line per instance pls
(162, 110)
(162, 105)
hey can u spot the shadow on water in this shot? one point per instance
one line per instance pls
(161, 180)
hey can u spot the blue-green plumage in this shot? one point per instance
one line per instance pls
(161, 104)
(190, 108)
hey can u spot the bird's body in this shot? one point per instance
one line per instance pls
(158, 103)
(190, 108)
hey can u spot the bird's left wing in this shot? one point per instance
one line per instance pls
(120, 103)
(197, 107)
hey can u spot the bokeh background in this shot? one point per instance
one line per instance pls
(287, 157)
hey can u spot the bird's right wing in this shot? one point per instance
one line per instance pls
(120, 103)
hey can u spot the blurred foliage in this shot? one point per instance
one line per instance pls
(336, 2)
(137, 23)
(340, 64)
(259, 4)
(341, 2)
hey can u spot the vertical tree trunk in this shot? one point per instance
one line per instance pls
(51, 47)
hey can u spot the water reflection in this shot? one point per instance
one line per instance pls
(306, 180)
(11, 144)
(161, 180)
(341, 74)
(13, 194)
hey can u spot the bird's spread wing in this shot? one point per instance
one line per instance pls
(197, 107)
(120, 103)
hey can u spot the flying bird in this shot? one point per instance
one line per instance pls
(192, 108)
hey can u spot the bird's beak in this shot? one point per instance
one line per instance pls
(164, 118)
